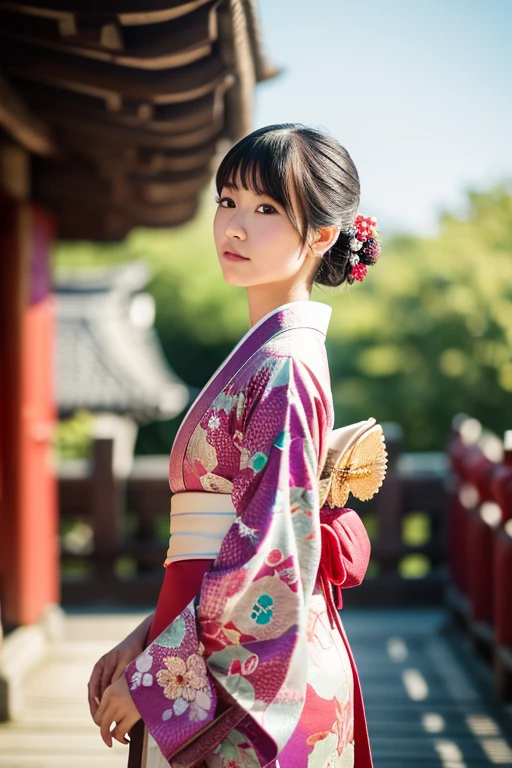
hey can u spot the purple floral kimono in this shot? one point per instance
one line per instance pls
(255, 671)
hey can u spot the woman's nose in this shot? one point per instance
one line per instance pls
(234, 229)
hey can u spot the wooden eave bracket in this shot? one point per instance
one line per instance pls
(17, 119)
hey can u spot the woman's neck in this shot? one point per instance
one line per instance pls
(263, 299)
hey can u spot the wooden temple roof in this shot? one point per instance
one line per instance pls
(125, 105)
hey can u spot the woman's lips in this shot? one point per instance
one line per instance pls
(233, 256)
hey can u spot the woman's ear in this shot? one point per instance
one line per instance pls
(325, 239)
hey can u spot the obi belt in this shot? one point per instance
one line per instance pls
(355, 463)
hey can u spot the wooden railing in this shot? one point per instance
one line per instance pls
(114, 532)
(480, 545)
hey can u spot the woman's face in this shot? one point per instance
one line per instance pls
(258, 228)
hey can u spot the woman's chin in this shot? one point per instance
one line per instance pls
(231, 278)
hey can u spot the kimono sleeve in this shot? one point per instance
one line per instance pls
(248, 640)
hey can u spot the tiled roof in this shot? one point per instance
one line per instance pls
(109, 357)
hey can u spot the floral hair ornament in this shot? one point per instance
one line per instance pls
(364, 246)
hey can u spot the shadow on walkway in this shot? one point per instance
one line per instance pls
(427, 698)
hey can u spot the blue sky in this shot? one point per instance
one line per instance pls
(418, 91)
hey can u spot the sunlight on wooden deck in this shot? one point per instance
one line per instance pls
(424, 708)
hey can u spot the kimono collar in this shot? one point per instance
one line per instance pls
(294, 314)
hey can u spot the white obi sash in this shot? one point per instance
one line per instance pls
(355, 463)
(199, 522)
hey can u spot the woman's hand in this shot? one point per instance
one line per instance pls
(116, 706)
(111, 666)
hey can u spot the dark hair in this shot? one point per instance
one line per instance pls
(311, 175)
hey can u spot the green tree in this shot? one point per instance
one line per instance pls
(430, 334)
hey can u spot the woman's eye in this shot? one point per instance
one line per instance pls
(220, 200)
(267, 205)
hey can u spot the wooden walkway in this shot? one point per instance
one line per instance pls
(426, 708)
(427, 698)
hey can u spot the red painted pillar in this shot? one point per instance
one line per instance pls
(28, 508)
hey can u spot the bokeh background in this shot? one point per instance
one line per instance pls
(419, 95)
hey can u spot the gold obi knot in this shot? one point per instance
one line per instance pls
(356, 463)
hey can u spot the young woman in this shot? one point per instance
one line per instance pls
(245, 662)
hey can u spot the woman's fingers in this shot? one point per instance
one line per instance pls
(120, 733)
(106, 671)
(94, 686)
(110, 728)
(116, 713)
(108, 713)
(105, 733)
(104, 718)
(109, 666)
(102, 707)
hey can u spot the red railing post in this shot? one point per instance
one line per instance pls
(502, 571)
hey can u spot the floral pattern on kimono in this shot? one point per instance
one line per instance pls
(256, 639)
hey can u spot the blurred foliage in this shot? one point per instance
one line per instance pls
(416, 529)
(72, 438)
(426, 335)
(414, 566)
